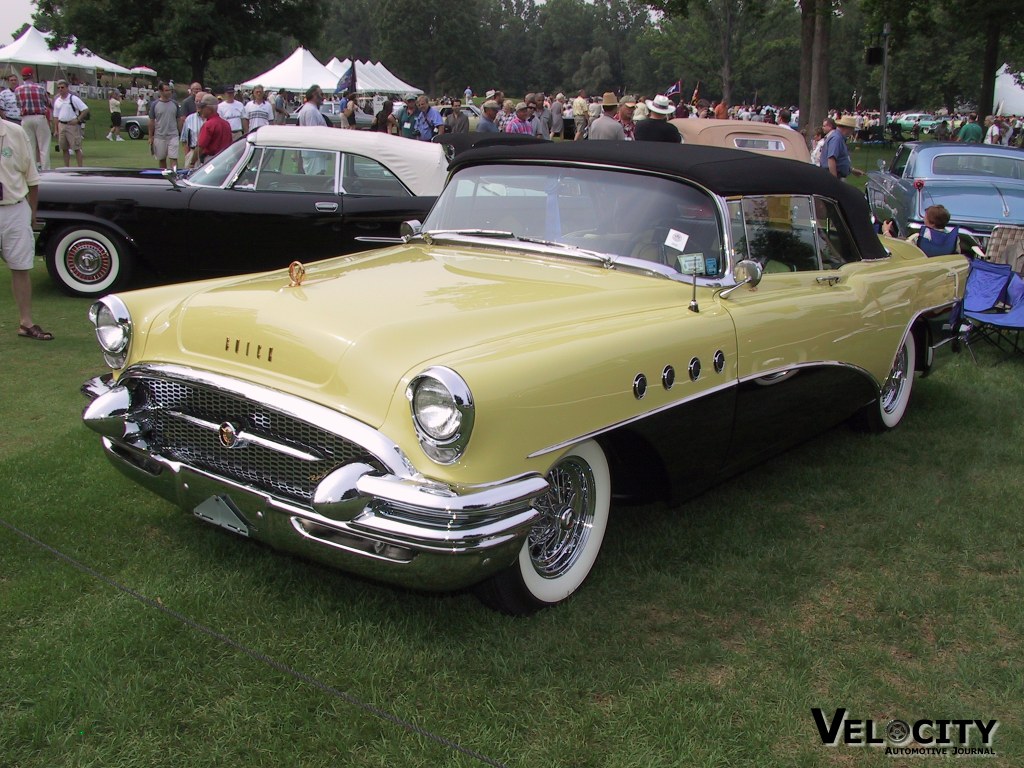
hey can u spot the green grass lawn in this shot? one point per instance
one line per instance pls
(880, 574)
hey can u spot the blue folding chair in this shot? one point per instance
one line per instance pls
(938, 242)
(985, 291)
(995, 309)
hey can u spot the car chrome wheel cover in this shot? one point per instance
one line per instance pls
(896, 384)
(88, 260)
(568, 508)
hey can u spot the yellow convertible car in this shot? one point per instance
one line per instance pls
(574, 326)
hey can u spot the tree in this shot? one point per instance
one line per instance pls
(183, 35)
(595, 72)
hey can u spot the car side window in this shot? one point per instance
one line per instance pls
(899, 163)
(835, 244)
(777, 231)
(293, 170)
(363, 175)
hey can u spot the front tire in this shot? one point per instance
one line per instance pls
(134, 131)
(88, 261)
(561, 549)
(887, 411)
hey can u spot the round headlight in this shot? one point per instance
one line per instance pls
(113, 326)
(433, 406)
(442, 412)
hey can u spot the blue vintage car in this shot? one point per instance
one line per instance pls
(982, 185)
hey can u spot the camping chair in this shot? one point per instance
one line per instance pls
(1006, 246)
(992, 307)
(938, 242)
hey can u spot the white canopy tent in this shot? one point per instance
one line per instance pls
(32, 49)
(1008, 98)
(372, 78)
(296, 73)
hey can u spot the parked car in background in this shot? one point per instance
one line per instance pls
(982, 186)
(136, 126)
(472, 112)
(928, 121)
(333, 114)
(573, 323)
(763, 138)
(278, 194)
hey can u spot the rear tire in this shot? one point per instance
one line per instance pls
(887, 411)
(134, 131)
(561, 549)
(88, 261)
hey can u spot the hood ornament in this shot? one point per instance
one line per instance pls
(297, 273)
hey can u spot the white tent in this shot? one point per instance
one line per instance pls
(32, 48)
(296, 73)
(372, 78)
(1008, 98)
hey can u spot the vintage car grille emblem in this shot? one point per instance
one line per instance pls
(228, 434)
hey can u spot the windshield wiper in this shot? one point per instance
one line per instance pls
(441, 234)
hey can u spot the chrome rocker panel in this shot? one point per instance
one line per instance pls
(392, 525)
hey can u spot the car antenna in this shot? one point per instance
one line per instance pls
(693, 301)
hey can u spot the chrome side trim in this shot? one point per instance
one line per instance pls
(610, 427)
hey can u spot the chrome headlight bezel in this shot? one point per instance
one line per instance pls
(443, 412)
(113, 326)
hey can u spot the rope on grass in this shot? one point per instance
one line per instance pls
(254, 654)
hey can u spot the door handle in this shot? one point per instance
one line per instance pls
(327, 207)
(829, 279)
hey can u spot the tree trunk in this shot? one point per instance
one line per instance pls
(819, 64)
(989, 66)
(806, 49)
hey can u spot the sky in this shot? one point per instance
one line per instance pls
(18, 12)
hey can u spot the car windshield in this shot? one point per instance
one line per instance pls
(215, 171)
(628, 218)
(978, 165)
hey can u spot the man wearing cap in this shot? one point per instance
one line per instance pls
(233, 112)
(486, 123)
(407, 118)
(606, 127)
(19, 179)
(9, 102)
(625, 117)
(34, 104)
(657, 127)
(520, 123)
(215, 135)
(835, 157)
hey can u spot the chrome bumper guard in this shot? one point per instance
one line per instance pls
(399, 529)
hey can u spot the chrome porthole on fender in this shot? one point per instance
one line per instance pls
(694, 368)
(668, 377)
(443, 412)
(719, 361)
(639, 386)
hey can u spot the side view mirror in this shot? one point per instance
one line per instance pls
(410, 229)
(746, 272)
(881, 165)
(171, 174)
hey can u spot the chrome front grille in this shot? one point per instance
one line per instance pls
(180, 420)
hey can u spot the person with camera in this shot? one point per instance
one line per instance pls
(69, 114)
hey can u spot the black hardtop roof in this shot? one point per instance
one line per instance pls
(726, 172)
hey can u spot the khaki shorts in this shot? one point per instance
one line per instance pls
(164, 149)
(69, 137)
(17, 243)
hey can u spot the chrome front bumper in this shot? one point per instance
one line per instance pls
(388, 526)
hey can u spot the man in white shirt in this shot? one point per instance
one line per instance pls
(258, 112)
(233, 112)
(69, 112)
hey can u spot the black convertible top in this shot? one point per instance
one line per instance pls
(726, 172)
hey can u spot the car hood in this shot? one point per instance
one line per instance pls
(93, 176)
(1000, 201)
(360, 326)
